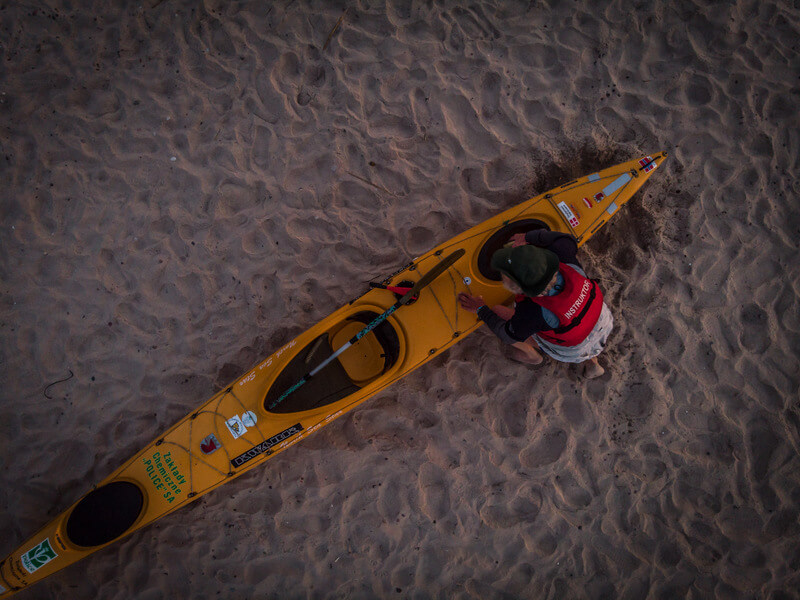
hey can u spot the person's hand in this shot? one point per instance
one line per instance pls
(518, 239)
(470, 303)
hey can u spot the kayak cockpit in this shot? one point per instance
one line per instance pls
(372, 356)
(104, 514)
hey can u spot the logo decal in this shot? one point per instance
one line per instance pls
(249, 418)
(38, 556)
(647, 164)
(238, 424)
(568, 215)
(587, 202)
(210, 444)
(266, 445)
(598, 197)
(235, 426)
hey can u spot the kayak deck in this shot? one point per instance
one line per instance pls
(236, 430)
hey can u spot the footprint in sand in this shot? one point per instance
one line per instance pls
(434, 500)
(546, 450)
(754, 328)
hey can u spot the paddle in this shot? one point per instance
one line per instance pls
(399, 290)
(423, 281)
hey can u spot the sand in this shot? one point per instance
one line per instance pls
(187, 186)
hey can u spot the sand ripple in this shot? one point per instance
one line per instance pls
(186, 187)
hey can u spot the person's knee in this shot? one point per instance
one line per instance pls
(531, 341)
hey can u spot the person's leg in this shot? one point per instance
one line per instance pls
(591, 368)
(526, 352)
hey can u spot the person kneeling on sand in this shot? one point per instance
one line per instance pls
(557, 309)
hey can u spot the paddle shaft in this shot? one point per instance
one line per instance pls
(377, 321)
(424, 281)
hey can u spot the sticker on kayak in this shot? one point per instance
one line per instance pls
(38, 556)
(598, 197)
(647, 163)
(259, 449)
(587, 202)
(210, 444)
(616, 184)
(249, 418)
(568, 214)
(238, 425)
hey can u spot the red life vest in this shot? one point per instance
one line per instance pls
(577, 307)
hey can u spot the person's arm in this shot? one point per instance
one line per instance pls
(527, 320)
(476, 305)
(563, 245)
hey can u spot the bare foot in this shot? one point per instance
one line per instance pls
(592, 369)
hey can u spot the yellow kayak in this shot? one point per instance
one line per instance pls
(255, 418)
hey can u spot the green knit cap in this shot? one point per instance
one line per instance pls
(530, 267)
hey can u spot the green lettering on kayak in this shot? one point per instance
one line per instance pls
(164, 475)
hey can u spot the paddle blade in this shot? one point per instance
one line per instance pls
(426, 279)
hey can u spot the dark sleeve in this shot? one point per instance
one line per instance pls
(564, 245)
(527, 320)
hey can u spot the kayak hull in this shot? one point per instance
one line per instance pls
(235, 430)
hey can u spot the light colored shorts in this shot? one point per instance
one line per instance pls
(587, 349)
